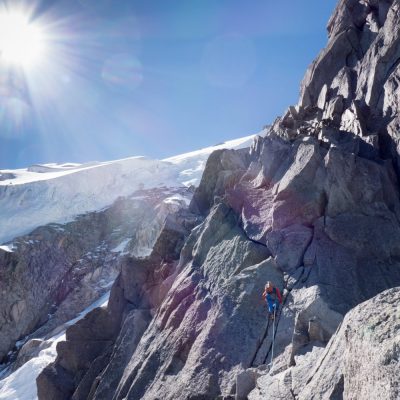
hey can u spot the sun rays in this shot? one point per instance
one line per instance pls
(22, 41)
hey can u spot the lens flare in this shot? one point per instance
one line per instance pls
(22, 42)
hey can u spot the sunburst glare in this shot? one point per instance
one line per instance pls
(22, 42)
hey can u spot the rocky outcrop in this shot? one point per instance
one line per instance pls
(361, 361)
(140, 288)
(50, 275)
(222, 171)
(314, 207)
(190, 347)
(88, 339)
(351, 86)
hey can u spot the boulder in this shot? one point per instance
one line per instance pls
(29, 350)
(54, 383)
(245, 383)
(362, 358)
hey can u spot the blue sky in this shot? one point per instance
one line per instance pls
(155, 77)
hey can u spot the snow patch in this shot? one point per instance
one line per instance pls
(121, 247)
(143, 252)
(21, 384)
(177, 199)
(230, 144)
(191, 165)
(9, 248)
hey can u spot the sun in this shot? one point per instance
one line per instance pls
(22, 42)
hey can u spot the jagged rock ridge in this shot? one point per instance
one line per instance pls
(313, 206)
(50, 275)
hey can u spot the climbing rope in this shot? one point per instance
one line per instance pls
(273, 337)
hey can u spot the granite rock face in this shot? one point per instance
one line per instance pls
(314, 207)
(50, 275)
(361, 361)
(105, 339)
(363, 356)
(206, 331)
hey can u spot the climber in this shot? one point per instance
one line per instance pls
(272, 296)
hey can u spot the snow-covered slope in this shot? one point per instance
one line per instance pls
(21, 384)
(58, 192)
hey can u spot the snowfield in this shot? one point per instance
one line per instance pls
(42, 194)
(21, 384)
